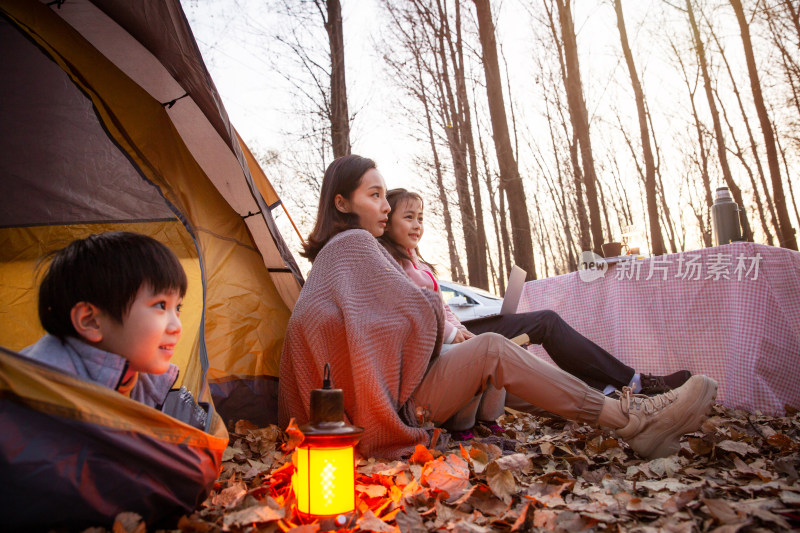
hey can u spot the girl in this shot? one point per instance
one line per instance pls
(568, 349)
(382, 334)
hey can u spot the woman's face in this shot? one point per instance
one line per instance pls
(368, 201)
(406, 227)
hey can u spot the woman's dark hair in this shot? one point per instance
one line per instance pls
(396, 197)
(343, 176)
(106, 270)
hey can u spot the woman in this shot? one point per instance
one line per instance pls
(382, 335)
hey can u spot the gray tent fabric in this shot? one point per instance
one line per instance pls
(69, 153)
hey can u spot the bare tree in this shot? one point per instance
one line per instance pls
(753, 148)
(584, 232)
(339, 117)
(580, 119)
(736, 192)
(703, 216)
(786, 233)
(657, 241)
(509, 171)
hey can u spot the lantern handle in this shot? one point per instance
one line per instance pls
(326, 376)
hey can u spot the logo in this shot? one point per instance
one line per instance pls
(591, 266)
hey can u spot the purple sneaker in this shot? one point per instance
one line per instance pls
(493, 426)
(463, 435)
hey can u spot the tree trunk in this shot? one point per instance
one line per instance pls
(451, 116)
(786, 237)
(788, 179)
(340, 119)
(667, 218)
(507, 252)
(580, 120)
(456, 272)
(703, 218)
(736, 192)
(754, 151)
(509, 171)
(649, 163)
(465, 125)
(501, 267)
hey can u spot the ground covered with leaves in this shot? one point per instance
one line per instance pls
(738, 473)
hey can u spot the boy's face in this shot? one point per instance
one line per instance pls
(148, 333)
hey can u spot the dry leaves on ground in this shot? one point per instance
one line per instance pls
(738, 473)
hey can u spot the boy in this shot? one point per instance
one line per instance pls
(110, 304)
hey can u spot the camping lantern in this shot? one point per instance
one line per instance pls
(324, 483)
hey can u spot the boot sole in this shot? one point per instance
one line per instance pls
(669, 439)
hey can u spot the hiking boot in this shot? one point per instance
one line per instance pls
(656, 423)
(652, 385)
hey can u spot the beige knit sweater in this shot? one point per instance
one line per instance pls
(360, 312)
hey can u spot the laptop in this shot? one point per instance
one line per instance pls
(516, 282)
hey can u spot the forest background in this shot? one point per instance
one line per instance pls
(533, 129)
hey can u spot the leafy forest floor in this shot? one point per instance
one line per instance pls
(738, 473)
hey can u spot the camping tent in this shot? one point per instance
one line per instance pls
(111, 122)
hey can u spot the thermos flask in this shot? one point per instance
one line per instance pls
(725, 218)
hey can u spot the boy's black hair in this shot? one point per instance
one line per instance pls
(106, 270)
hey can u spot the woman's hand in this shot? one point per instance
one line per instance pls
(462, 335)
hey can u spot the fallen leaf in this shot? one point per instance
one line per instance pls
(257, 514)
(449, 474)
(517, 463)
(231, 496)
(492, 451)
(372, 491)
(723, 511)
(501, 481)
(410, 521)
(305, 528)
(545, 519)
(738, 447)
(256, 468)
(295, 437)
(678, 501)
(370, 522)
(479, 459)
(481, 497)
(243, 426)
(230, 452)
(664, 466)
(700, 446)
(420, 456)
(525, 519)
(128, 523)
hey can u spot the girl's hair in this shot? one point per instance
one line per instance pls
(106, 270)
(343, 176)
(397, 197)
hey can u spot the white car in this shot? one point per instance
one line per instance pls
(469, 302)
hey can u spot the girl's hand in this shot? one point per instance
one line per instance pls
(462, 335)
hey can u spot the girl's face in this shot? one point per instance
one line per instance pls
(368, 201)
(406, 227)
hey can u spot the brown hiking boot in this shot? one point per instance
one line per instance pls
(656, 424)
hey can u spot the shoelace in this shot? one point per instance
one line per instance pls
(648, 404)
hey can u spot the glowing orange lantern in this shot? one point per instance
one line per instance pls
(324, 482)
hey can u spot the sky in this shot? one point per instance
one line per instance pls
(249, 67)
